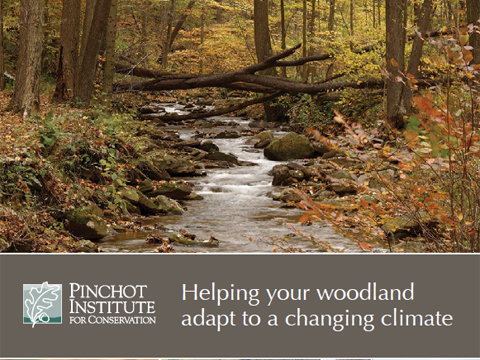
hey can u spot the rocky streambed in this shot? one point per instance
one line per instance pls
(224, 196)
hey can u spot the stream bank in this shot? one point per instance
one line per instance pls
(237, 206)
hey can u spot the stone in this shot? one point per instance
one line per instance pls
(130, 194)
(261, 140)
(212, 242)
(146, 205)
(220, 156)
(153, 172)
(208, 146)
(320, 149)
(83, 223)
(193, 196)
(173, 190)
(84, 246)
(280, 175)
(190, 143)
(402, 226)
(227, 135)
(179, 238)
(341, 174)
(290, 146)
(342, 190)
(168, 205)
(146, 109)
(290, 195)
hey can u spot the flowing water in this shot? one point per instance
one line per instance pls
(237, 209)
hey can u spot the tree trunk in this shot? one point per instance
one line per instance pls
(373, 14)
(352, 17)
(27, 85)
(87, 23)
(304, 40)
(284, 33)
(395, 54)
(417, 49)
(109, 70)
(263, 45)
(68, 51)
(331, 17)
(89, 61)
(181, 21)
(168, 36)
(202, 36)
(2, 66)
(473, 17)
(379, 3)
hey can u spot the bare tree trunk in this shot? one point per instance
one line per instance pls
(89, 61)
(2, 65)
(168, 36)
(181, 21)
(304, 40)
(331, 17)
(263, 44)
(379, 3)
(395, 53)
(27, 85)
(311, 50)
(352, 17)
(284, 33)
(202, 36)
(68, 51)
(109, 71)
(417, 49)
(87, 23)
(473, 17)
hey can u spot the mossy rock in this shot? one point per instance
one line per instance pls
(290, 146)
(177, 191)
(220, 156)
(84, 223)
(167, 205)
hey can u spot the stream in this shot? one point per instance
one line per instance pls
(237, 208)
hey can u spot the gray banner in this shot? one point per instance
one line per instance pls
(239, 305)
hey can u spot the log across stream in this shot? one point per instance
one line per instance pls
(237, 208)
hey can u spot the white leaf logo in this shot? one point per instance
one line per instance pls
(41, 300)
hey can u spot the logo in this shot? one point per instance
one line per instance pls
(42, 303)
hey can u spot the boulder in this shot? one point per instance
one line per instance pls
(280, 175)
(220, 156)
(341, 189)
(401, 226)
(288, 174)
(175, 166)
(177, 191)
(146, 205)
(227, 135)
(84, 246)
(261, 140)
(168, 205)
(290, 146)
(208, 146)
(84, 223)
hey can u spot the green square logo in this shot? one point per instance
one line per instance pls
(42, 303)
